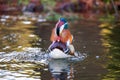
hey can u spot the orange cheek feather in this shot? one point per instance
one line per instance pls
(64, 36)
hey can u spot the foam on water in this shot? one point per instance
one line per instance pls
(35, 55)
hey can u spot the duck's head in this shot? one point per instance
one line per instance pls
(61, 24)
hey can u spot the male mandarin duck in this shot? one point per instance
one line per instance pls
(62, 34)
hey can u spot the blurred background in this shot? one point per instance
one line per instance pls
(25, 28)
(80, 8)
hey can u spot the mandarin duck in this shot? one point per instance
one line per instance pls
(62, 34)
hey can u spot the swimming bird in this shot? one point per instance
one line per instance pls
(61, 37)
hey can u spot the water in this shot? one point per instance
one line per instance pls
(17, 71)
(113, 43)
(24, 42)
(26, 65)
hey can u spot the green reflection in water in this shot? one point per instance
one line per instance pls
(111, 34)
(15, 35)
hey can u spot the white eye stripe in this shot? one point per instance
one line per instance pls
(62, 27)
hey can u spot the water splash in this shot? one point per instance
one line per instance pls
(27, 55)
(33, 55)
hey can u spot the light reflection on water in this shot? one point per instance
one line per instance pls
(19, 71)
(17, 37)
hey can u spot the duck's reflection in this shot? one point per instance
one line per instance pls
(61, 69)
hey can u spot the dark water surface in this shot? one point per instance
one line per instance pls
(33, 37)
